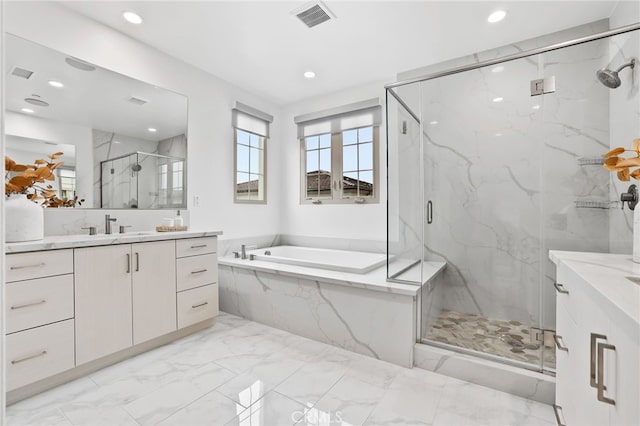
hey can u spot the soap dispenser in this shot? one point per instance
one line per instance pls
(178, 221)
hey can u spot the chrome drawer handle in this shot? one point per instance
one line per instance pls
(600, 385)
(128, 263)
(199, 246)
(199, 271)
(556, 410)
(560, 288)
(592, 365)
(27, 358)
(36, 265)
(26, 305)
(560, 343)
(199, 305)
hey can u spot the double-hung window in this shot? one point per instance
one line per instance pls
(251, 132)
(340, 155)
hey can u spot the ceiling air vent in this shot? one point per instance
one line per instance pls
(22, 73)
(313, 14)
(137, 101)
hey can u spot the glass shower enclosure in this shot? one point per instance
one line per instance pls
(492, 165)
(142, 180)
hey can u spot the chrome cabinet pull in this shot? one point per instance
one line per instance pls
(592, 365)
(600, 383)
(199, 246)
(199, 305)
(556, 410)
(560, 288)
(560, 343)
(26, 305)
(199, 271)
(128, 263)
(27, 358)
(137, 262)
(35, 265)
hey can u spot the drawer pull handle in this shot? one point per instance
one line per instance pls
(26, 305)
(36, 265)
(137, 262)
(199, 305)
(27, 358)
(556, 410)
(199, 271)
(592, 370)
(199, 246)
(600, 385)
(560, 288)
(560, 343)
(128, 263)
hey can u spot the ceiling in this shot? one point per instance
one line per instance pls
(261, 47)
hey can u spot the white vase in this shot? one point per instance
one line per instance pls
(636, 234)
(24, 219)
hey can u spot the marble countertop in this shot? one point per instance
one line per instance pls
(375, 280)
(56, 242)
(607, 275)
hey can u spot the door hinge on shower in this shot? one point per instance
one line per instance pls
(543, 85)
(542, 335)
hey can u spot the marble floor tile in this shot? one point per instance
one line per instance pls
(241, 372)
(272, 410)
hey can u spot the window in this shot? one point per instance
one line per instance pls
(339, 155)
(171, 183)
(251, 132)
(67, 183)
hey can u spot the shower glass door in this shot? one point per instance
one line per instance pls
(483, 139)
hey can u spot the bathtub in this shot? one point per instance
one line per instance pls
(336, 260)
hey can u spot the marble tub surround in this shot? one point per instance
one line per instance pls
(76, 241)
(369, 319)
(295, 381)
(70, 221)
(226, 246)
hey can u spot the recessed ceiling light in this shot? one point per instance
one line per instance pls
(132, 17)
(536, 107)
(498, 99)
(433, 123)
(309, 74)
(55, 83)
(498, 134)
(499, 68)
(497, 16)
(152, 129)
(27, 110)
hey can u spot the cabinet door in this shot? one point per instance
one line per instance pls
(624, 373)
(103, 301)
(154, 290)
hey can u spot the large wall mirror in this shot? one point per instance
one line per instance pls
(124, 140)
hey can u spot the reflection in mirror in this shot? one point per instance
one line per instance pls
(101, 120)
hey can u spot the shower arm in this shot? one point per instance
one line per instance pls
(631, 63)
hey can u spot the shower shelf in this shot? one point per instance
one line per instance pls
(595, 204)
(591, 161)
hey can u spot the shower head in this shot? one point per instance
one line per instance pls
(611, 79)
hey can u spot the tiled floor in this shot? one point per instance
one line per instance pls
(242, 372)
(509, 339)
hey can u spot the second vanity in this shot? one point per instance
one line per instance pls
(75, 304)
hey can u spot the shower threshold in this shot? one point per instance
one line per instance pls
(502, 338)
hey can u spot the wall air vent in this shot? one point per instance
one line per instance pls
(313, 14)
(22, 73)
(137, 101)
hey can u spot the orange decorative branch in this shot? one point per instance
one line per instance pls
(621, 165)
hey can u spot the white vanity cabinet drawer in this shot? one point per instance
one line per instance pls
(196, 271)
(196, 246)
(38, 264)
(197, 305)
(38, 302)
(38, 353)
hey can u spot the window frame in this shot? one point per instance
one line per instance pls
(337, 172)
(262, 172)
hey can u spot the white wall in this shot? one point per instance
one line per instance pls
(2, 78)
(210, 149)
(358, 221)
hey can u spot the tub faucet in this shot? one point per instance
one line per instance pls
(107, 223)
(243, 250)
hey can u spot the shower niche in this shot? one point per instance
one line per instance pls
(488, 178)
(142, 180)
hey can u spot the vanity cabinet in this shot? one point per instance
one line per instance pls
(39, 315)
(125, 295)
(598, 356)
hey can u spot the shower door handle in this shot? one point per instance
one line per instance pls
(429, 212)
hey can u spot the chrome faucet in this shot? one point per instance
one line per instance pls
(243, 250)
(107, 223)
